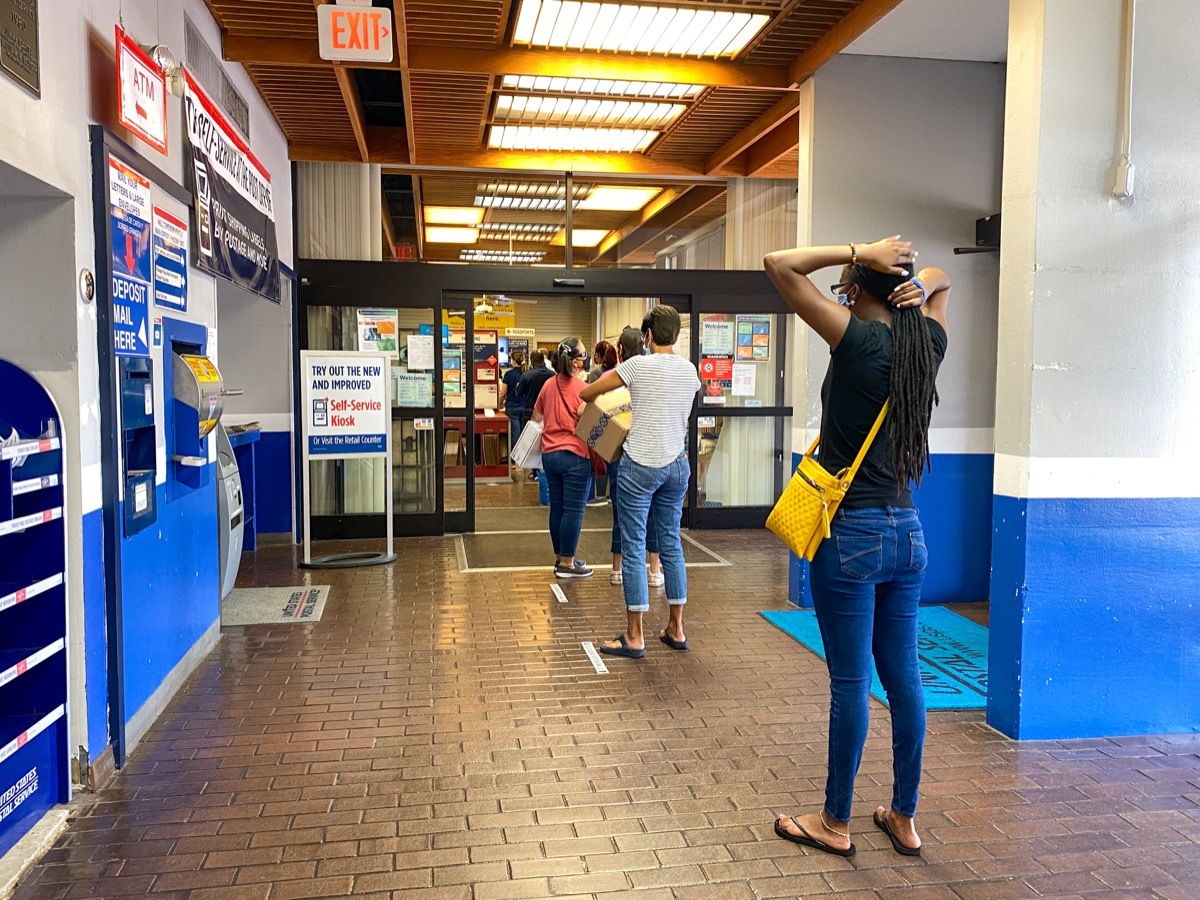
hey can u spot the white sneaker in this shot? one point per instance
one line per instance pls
(614, 577)
(657, 579)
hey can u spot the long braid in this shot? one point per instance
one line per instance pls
(913, 388)
(914, 392)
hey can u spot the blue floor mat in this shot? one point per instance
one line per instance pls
(952, 652)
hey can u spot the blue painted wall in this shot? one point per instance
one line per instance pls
(955, 502)
(170, 584)
(1095, 618)
(273, 493)
(95, 626)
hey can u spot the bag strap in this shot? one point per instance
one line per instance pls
(862, 453)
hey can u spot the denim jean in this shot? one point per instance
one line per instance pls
(653, 494)
(614, 494)
(568, 477)
(515, 424)
(866, 586)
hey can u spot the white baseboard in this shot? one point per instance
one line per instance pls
(137, 727)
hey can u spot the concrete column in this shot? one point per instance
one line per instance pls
(1095, 607)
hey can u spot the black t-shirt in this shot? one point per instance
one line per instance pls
(531, 385)
(512, 400)
(856, 385)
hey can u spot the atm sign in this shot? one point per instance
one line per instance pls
(360, 33)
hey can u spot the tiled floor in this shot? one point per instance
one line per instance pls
(443, 735)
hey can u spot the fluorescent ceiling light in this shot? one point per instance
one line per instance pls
(515, 231)
(534, 204)
(593, 140)
(501, 256)
(635, 28)
(453, 215)
(622, 199)
(518, 108)
(596, 87)
(580, 237)
(440, 235)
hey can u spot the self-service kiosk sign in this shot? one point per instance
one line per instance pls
(130, 213)
(346, 404)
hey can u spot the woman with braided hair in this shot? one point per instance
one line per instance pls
(887, 338)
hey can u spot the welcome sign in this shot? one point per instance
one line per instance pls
(235, 218)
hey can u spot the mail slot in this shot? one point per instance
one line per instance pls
(198, 405)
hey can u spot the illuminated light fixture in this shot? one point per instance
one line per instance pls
(453, 215)
(435, 234)
(513, 109)
(635, 28)
(591, 140)
(594, 87)
(533, 204)
(501, 256)
(619, 199)
(504, 231)
(580, 237)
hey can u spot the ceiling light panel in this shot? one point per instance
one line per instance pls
(635, 28)
(501, 256)
(583, 140)
(580, 237)
(453, 215)
(619, 199)
(597, 87)
(516, 231)
(436, 234)
(515, 109)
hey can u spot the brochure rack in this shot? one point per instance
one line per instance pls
(33, 622)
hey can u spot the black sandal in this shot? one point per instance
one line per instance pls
(807, 840)
(882, 825)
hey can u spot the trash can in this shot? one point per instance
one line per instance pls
(230, 512)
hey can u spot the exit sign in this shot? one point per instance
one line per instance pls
(358, 33)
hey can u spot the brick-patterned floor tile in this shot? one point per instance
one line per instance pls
(441, 735)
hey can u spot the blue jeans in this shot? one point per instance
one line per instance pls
(866, 586)
(515, 424)
(648, 494)
(614, 494)
(568, 477)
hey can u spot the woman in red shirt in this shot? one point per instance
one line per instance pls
(565, 458)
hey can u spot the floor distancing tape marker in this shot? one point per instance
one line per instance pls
(558, 592)
(597, 662)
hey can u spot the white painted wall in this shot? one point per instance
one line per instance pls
(1098, 353)
(914, 146)
(47, 140)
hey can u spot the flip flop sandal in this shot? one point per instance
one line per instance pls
(623, 650)
(672, 643)
(882, 825)
(807, 840)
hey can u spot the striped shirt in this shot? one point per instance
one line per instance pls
(663, 389)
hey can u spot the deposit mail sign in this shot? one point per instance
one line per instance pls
(346, 405)
(355, 32)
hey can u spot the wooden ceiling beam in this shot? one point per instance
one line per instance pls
(354, 108)
(544, 162)
(776, 145)
(850, 28)
(436, 57)
(387, 146)
(754, 132)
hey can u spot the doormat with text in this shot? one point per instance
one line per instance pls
(268, 606)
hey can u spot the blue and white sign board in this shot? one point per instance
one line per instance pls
(346, 413)
(130, 214)
(170, 261)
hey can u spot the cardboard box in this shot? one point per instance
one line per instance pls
(605, 422)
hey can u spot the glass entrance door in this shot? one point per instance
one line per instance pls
(456, 339)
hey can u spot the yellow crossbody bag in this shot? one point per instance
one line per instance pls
(801, 516)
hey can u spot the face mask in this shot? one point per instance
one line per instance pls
(844, 300)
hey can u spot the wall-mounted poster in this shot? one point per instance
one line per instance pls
(716, 336)
(377, 330)
(754, 338)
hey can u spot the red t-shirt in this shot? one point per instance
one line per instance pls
(558, 404)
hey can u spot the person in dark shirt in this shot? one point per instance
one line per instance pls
(887, 338)
(510, 399)
(530, 386)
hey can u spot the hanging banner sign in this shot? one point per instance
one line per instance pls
(130, 212)
(235, 218)
(346, 404)
(141, 93)
(170, 261)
